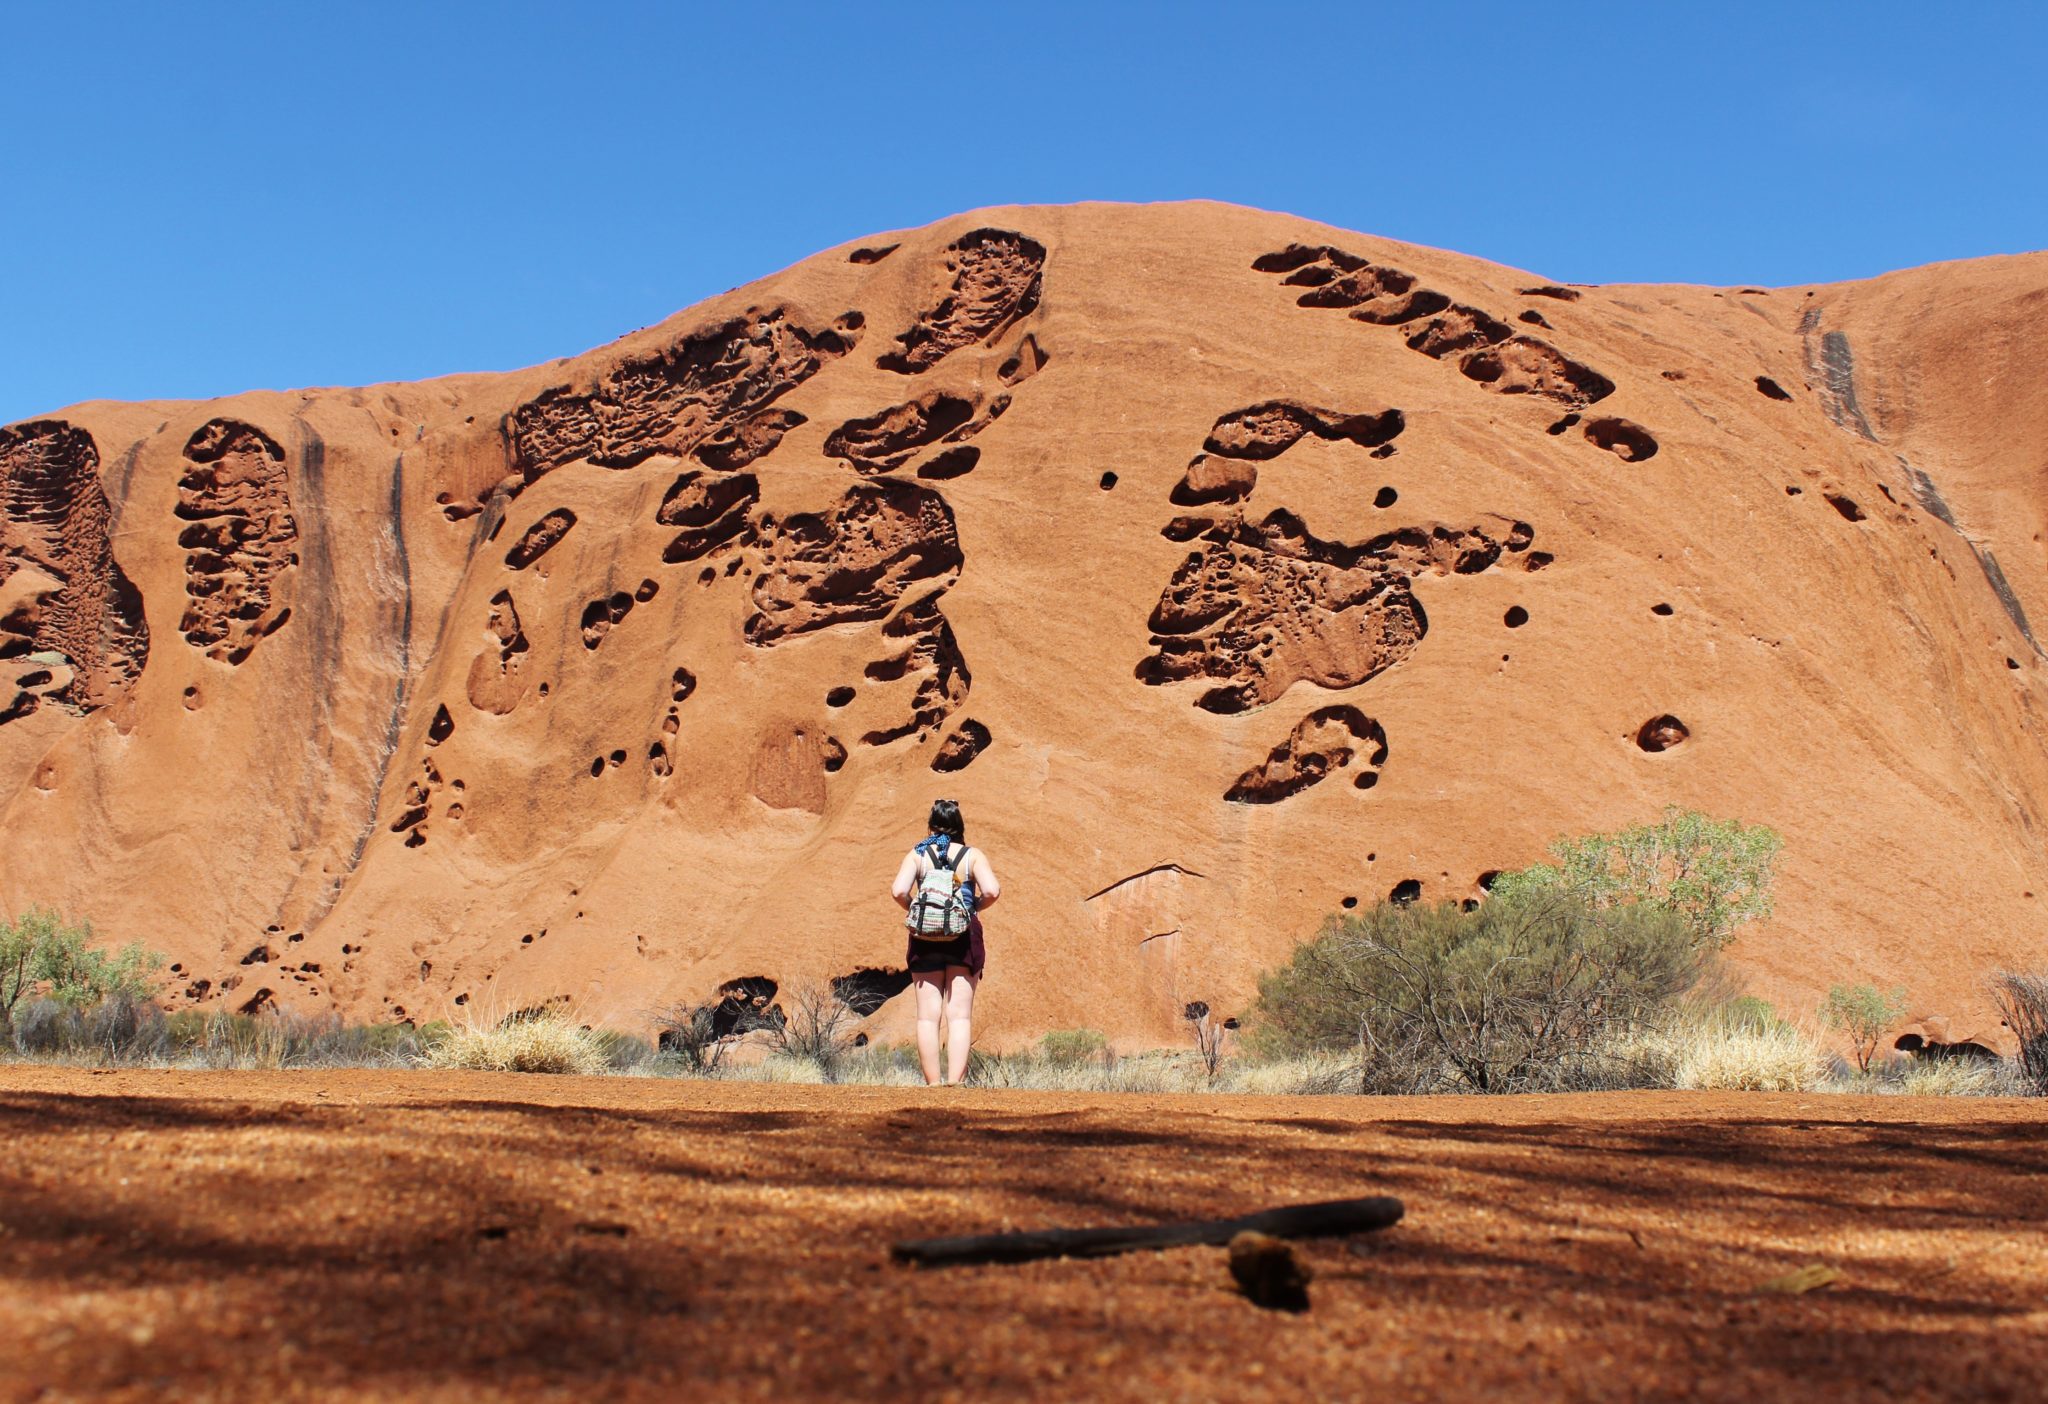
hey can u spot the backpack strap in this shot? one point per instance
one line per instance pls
(939, 844)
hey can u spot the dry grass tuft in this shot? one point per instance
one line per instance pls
(1956, 1077)
(1714, 1057)
(548, 1042)
(1311, 1074)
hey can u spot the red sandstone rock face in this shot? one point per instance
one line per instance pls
(1223, 566)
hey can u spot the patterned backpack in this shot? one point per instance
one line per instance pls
(943, 907)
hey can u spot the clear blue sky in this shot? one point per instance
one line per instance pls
(202, 198)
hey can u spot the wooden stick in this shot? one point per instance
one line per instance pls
(1337, 1216)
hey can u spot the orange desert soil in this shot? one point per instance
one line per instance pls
(381, 1235)
(1229, 569)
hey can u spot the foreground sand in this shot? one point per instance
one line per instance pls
(433, 1235)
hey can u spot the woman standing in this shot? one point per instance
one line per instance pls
(944, 970)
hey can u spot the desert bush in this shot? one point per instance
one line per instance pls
(43, 1027)
(1524, 993)
(118, 1029)
(2022, 1001)
(1864, 1013)
(1314, 1003)
(698, 1038)
(688, 1035)
(1714, 873)
(1176, 1071)
(122, 1030)
(126, 1028)
(780, 1067)
(42, 954)
(1933, 1077)
(545, 1041)
(818, 1028)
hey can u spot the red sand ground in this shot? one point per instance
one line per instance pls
(331, 1235)
(1223, 564)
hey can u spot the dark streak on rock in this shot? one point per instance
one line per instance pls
(394, 724)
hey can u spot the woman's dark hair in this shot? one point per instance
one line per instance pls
(946, 820)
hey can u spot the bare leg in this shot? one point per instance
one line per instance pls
(931, 1001)
(960, 983)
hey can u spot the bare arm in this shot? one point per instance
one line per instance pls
(906, 881)
(986, 888)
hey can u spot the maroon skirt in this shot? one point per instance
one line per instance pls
(936, 957)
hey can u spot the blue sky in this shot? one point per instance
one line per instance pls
(205, 198)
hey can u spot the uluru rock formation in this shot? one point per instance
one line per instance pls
(1225, 566)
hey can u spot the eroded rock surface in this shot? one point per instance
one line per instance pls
(72, 630)
(997, 278)
(606, 683)
(236, 495)
(1325, 741)
(1484, 348)
(1260, 606)
(706, 389)
(853, 562)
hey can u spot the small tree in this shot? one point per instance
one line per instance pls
(1863, 1012)
(42, 953)
(1715, 873)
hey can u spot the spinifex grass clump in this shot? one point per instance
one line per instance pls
(1707, 1054)
(532, 1041)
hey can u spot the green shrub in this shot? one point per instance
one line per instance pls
(118, 1029)
(42, 954)
(1714, 873)
(1525, 993)
(1314, 1003)
(1864, 1013)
